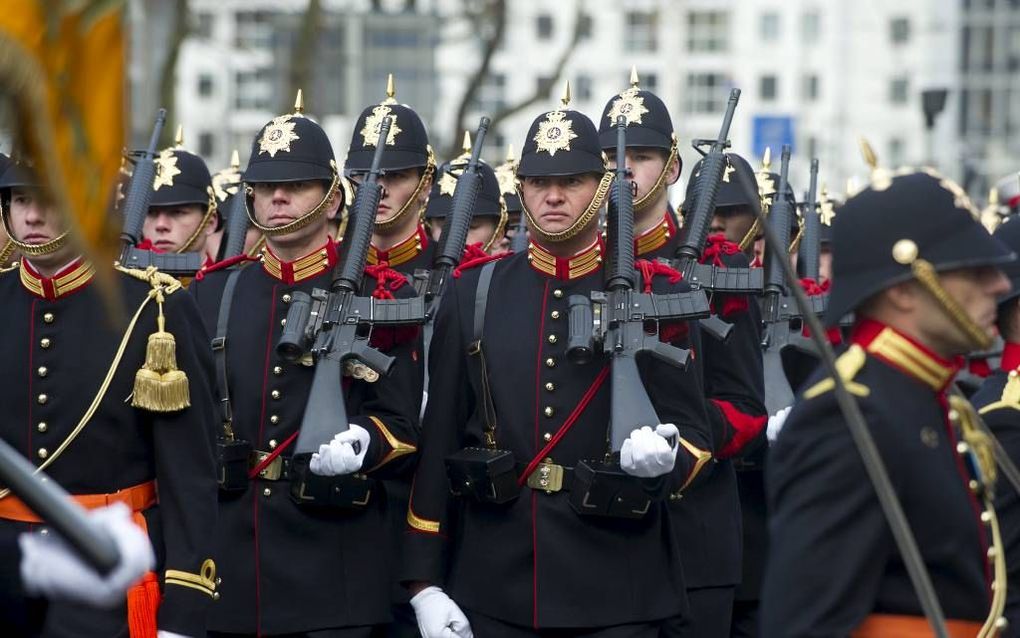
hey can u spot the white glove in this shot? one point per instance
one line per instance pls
(49, 567)
(647, 453)
(438, 616)
(776, 422)
(343, 455)
(169, 634)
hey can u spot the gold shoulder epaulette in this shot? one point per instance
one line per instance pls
(1010, 394)
(159, 385)
(847, 366)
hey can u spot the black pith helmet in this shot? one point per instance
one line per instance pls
(407, 145)
(648, 121)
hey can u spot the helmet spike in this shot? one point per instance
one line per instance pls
(633, 76)
(299, 102)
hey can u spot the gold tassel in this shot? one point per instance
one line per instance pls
(159, 385)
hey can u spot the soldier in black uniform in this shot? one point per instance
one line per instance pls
(409, 166)
(998, 402)
(300, 570)
(182, 213)
(922, 276)
(707, 517)
(533, 565)
(111, 412)
(489, 218)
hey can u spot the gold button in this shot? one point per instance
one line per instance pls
(550, 363)
(272, 444)
(1001, 623)
(274, 419)
(283, 322)
(275, 394)
(547, 436)
(42, 371)
(219, 581)
(216, 595)
(277, 370)
(986, 517)
(548, 411)
(42, 399)
(558, 293)
(267, 492)
(555, 314)
(44, 343)
(286, 298)
(43, 453)
(991, 553)
(48, 317)
(552, 338)
(42, 427)
(550, 386)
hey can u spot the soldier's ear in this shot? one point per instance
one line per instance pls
(673, 171)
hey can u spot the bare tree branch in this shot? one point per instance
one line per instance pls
(542, 91)
(496, 14)
(303, 52)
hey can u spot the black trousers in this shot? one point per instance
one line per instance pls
(745, 619)
(709, 617)
(487, 627)
(344, 632)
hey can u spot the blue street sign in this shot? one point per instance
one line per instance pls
(772, 131)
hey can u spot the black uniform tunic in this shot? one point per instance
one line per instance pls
(535, 562)
(832, 559)
(58, 345)
(294, 568)
(998, 402)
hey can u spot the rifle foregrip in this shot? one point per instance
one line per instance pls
(237, 223)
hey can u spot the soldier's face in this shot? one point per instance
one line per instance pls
(732, 221)
(398, 187)
(645, 165)
(481, 230)
(33, 220)
(170, 227)
(976, 291)
(557, 202)
(280, 203)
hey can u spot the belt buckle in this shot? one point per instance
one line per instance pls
(547, 477)
(270, 472)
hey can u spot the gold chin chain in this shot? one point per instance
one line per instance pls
(426, 176)
(500, 226)
(210, 210)
(579, 224)
(660, 182)
(304, 220)
(925, 273)
(33, 250)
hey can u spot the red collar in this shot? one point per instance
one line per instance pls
(655, 237)
(311, 265)
(72, 277)
(905, 354)
(403, 252)
(583, 263)
(1010, 357)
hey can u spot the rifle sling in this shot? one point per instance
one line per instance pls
(219, 347)
(478, 370)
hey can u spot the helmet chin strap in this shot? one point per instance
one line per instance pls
(32, 250)
(318, 211)
(580, 223)
(426, 178)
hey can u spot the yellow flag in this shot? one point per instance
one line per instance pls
(62, 70)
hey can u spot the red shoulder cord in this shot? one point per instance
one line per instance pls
(386, 280)
(673, 331)
(220, 265)
(813, 289)
(474, 256)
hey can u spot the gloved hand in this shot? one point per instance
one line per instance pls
(50, 568)
(776, 422)
(647, 453)
(169, 634)
(343, 455)
(438, 616)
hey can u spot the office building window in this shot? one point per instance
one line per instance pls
(254, 30)
(582, 87)
(642, 31)
(544, 26)
(253, 89)
(811, 27)
(898, 90)
(899, 30)
(205, 85)
(708, 31)
(770, 26)
(706, 93)
(810, 88)
(768, 88)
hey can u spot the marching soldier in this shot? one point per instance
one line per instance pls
(922, 276)
(998, 402)
(111, 412)
(400, 238)
(182, 211)
(299, 569)
(707, 518)
(489, 218)
(509, 409)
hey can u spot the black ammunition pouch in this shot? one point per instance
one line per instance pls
(482, 474)
(604, 489)
(232, 460)
(347, 492)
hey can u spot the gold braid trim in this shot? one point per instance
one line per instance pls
(103, 387)
(660, 182)
(398, 448)
(6, 252)
(204, 581)
(581, 223)
(210, 210)
(701, 457)
(925, 273)
(426, 175)
(500, 226)
(1010, 398)
(304, 220)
